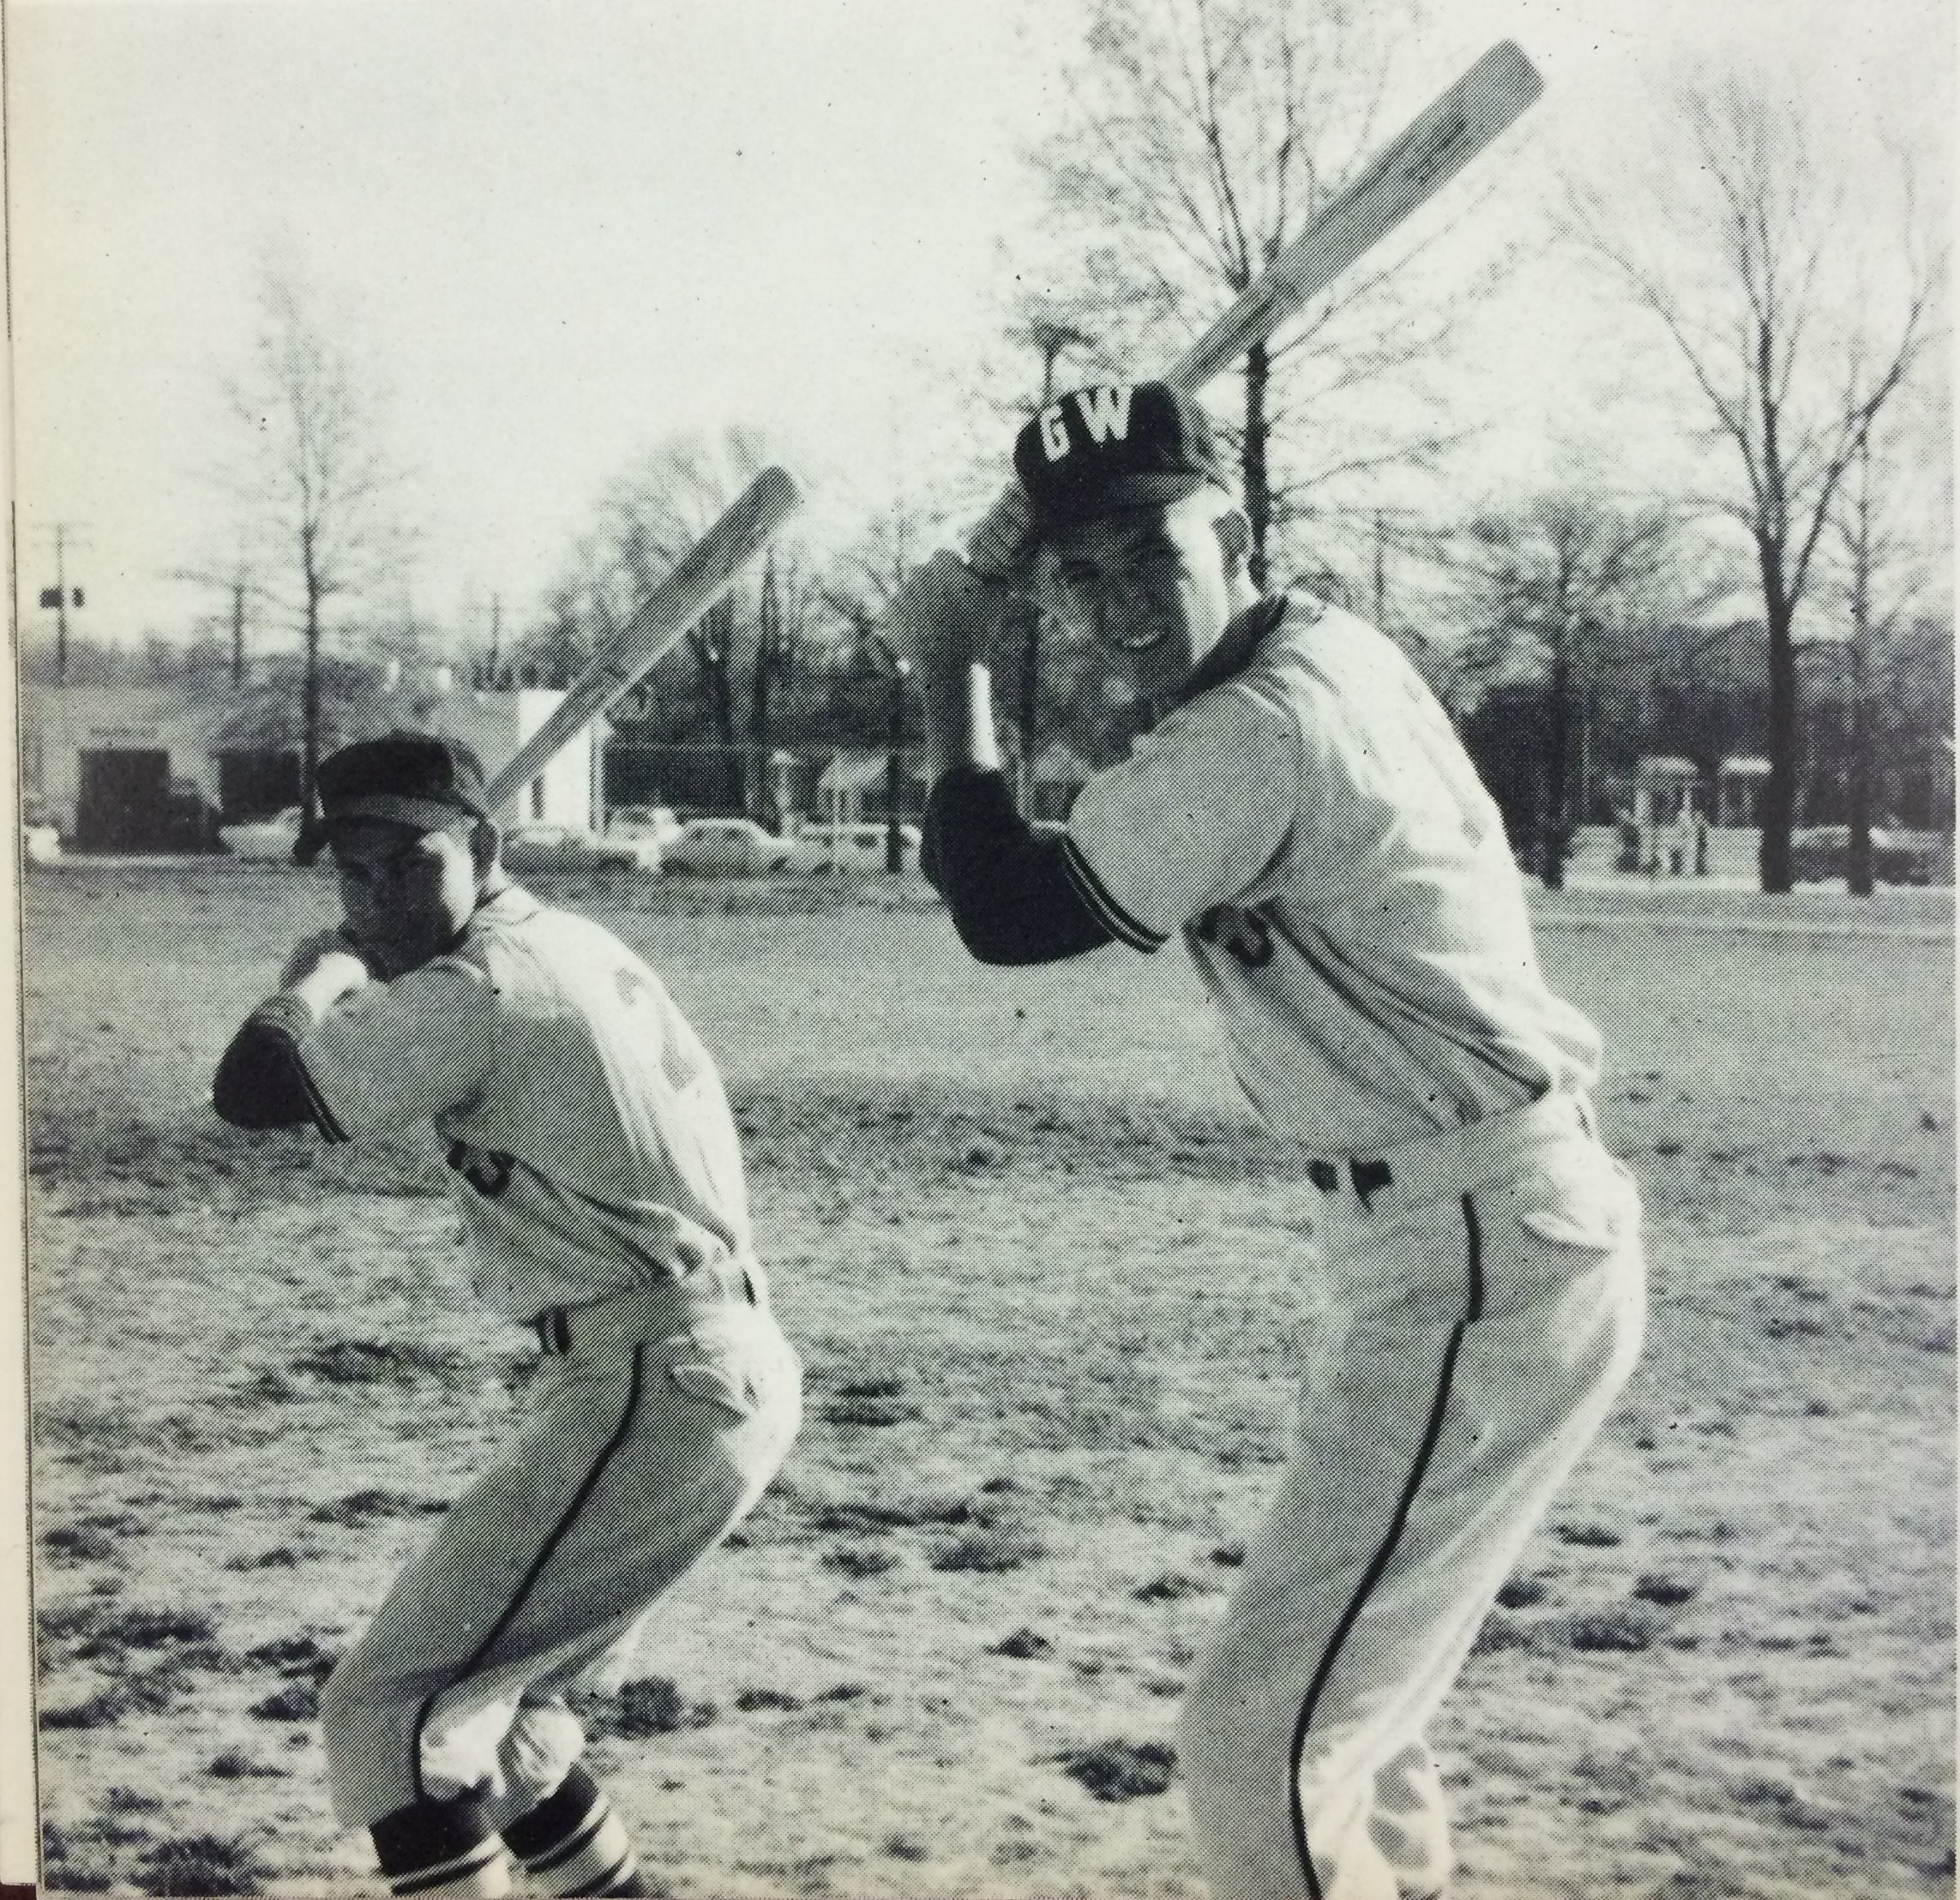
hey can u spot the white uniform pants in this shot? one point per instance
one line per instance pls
(1474, 1319)
(646, 1441)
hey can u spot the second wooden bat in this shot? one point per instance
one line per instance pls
(675, 603)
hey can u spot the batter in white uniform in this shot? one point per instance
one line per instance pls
(1302, 814)
(600, 1178)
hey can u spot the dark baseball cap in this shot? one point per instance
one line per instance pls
(416, 778)
(1115, 445)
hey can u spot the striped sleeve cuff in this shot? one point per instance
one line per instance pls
(288, 1019)
(1106, 910)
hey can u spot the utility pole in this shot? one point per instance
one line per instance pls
(1553, 832)
(59, 597)
(61, 606)
(238, 633)
(899, 673)
(235, 581)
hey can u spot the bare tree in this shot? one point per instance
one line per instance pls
(653, 515)
(1864, 554)
(317, 495)
(789, 603)
(1888, 637)
(1198, 136)
(236, 582)
(1743, 252)
(1556, 575)
(866, 572)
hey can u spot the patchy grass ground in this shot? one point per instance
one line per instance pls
(1041, 1269)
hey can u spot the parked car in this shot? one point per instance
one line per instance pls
(265, 837)
(189, 820)
(545, 847)
(859, 846)
(655, 822)
(653, 828)
(1820, 853)
(728, 847)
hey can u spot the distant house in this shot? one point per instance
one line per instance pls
(854, 786)
(1664, 788)
(121, 769)
(1739, 782)
(158, 768)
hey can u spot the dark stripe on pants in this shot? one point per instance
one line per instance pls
(1473, 1309)
(530, 1576)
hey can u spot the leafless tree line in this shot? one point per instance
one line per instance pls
(1804, 315)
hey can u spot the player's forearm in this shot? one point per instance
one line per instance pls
(1006, 888)
(261, 1083)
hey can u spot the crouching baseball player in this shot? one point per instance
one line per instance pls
(600, 1183)
(1302, 813)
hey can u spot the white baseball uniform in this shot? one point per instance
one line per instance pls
(599, 1175)
(1341, 878)
(1306, 819)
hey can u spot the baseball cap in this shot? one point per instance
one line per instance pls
(416, 778)
(1114, 445)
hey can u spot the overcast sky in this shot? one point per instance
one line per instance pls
(560, 231)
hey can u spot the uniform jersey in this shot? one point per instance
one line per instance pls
(591, 1146)
(1341, 878)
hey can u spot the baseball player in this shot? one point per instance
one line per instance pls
(1301, 814)
(600, 1178)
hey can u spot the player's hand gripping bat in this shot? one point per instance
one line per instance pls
(1417, 162)
(699, 579)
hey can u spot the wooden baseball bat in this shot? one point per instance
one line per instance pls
(677, 603)
(1410, 168)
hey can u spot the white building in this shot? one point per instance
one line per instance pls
(136, 768)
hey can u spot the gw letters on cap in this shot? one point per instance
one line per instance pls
(1111, 446)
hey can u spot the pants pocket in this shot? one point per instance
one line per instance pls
(717, 1384)
(738, 1365)
(1583, 1228)
(1581, 1198)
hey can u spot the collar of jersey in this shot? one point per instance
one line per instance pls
(507, 903)
(1235, 649)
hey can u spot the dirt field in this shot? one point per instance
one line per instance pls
(1040, 1271)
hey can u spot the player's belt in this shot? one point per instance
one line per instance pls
(1366, 1177)
(1458, 1160)
(647, 1310)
